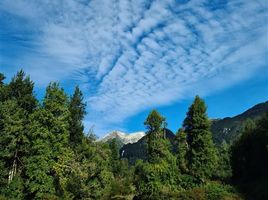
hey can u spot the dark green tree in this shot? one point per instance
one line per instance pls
(2, 78)
(77, 112)
(156, 146)
(56, 105)
(201, 155)
(3, 92)
(39, 164)
(250, 159)
(21, 89)
(182, 149)
(12, 146)
(156, 179)
(224, 169)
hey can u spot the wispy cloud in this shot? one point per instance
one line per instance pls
(132, 55)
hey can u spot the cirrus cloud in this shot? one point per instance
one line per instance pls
(132, 55)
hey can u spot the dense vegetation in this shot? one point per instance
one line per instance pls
(45, 154)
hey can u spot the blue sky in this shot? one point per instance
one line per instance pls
(131, 56)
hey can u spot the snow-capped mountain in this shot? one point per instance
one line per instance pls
(123, 137)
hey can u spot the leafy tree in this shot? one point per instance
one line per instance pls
(77, 112)
(202, 154)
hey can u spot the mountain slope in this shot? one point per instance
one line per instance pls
(228, 128)
(123, 138)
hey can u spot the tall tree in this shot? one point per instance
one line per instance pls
(56, 105)
(202, 155)
(156, 178)
(39, 164)
(77, 112)
(21, 89)
(155, 124)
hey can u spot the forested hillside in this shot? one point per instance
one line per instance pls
(45, 154)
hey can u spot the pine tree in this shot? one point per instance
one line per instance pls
(77, 113)
(21, 89)
(202, 154)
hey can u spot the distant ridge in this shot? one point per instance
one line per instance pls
(228, 128)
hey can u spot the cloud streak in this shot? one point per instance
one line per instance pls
(133, 55)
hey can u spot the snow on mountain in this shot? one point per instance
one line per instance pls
(123, 137)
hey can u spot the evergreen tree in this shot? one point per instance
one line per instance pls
(21, 89)
(2, 78)
(56, 105)
(12, 144)
(40, 161)
(77, 112)
(3, 92)
(182, 149)
(201, 154)
(155, 124)
(156, 179)
(224, 169)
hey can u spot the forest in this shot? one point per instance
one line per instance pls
(46, 154)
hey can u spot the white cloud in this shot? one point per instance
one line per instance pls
(133, 55)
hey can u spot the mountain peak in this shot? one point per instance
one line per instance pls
(123, 137)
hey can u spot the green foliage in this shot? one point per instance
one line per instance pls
(77, 112)
(201, 155)
(154, 121)
(250, 159)
(158, 146)
(182, 149)
(44, 154)
(210, 191)
(224, 168)
(21, 89)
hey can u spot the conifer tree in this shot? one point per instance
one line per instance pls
(40, 161)
(12, 142)
(202, 155)
(2, 88)
(56, 105)
(77, 112)
(156, 146)
(2, 78)
(182, 149)
(156, 178)
(21, 89)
